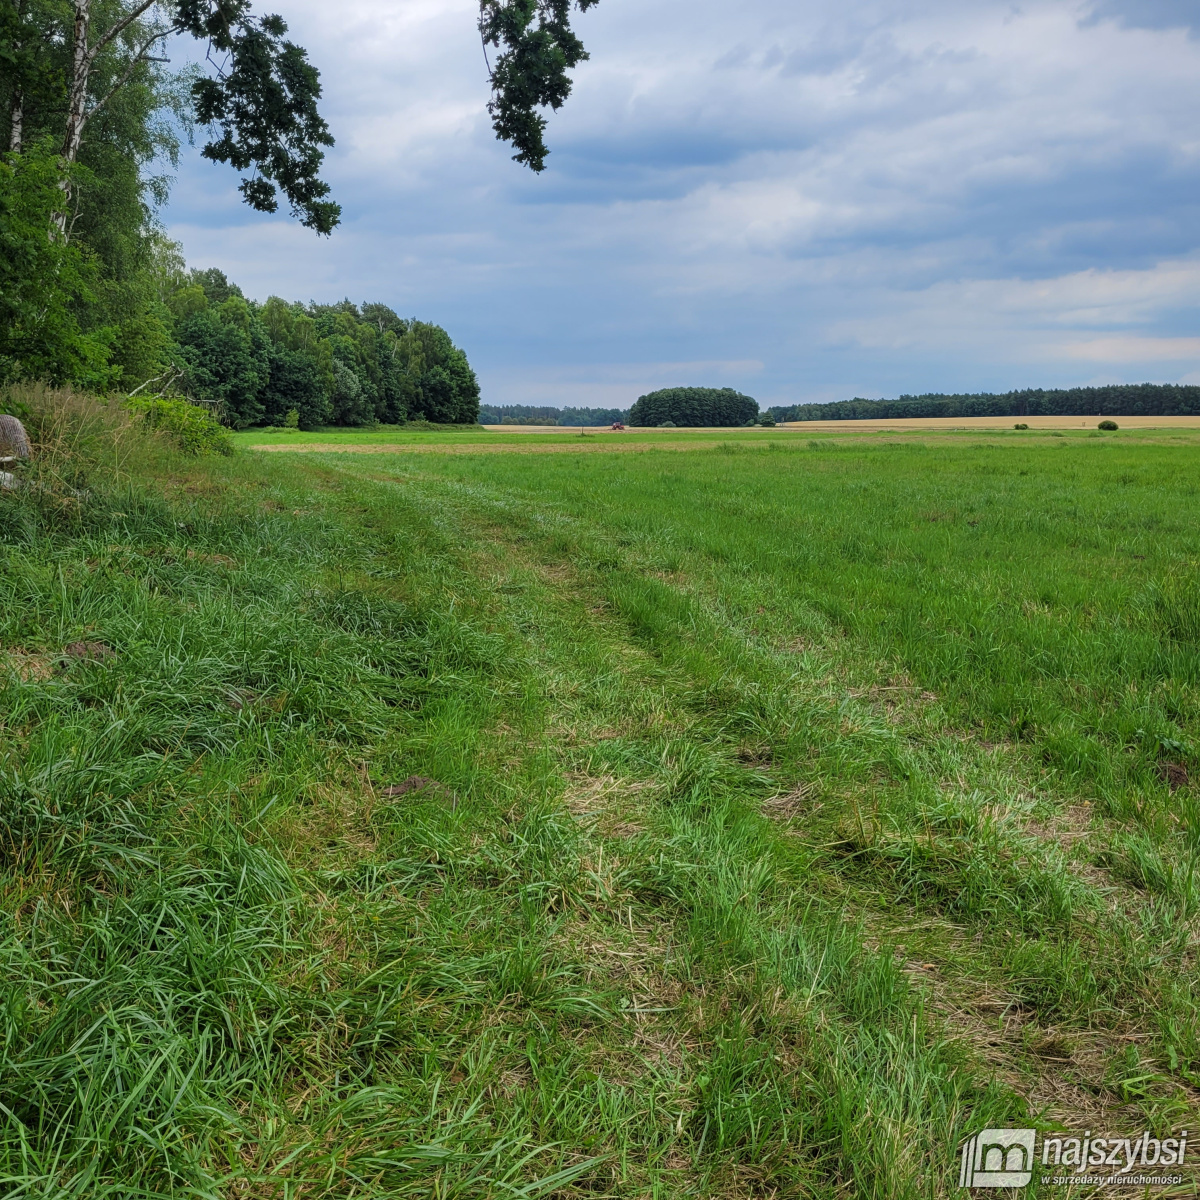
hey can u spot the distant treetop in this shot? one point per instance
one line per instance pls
(694, 406)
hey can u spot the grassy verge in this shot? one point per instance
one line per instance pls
(750, 822)
(401, 435)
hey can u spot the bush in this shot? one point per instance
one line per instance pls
(694, 406)
(1108, 426)
(188, 425)
(1020, 425)
(14, 407)
(767, 421)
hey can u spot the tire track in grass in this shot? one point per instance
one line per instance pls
(1053, 1091)
(686, 870)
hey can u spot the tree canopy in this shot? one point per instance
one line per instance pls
(68, 66)
(329, 364)
(538, 49)
(695, 406)
(44, 281)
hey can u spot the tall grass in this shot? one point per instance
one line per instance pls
(578, 827)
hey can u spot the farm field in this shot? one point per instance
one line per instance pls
(757, 821)
(532, 439)
(928, 424)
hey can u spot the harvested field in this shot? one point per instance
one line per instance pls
(553, 440)
(931, 423)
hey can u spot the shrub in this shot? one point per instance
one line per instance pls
(292, 420)
(667, 425)
(1108, 426)
(188, 425)
(694, 406)
(767, 421)
(1020, 425)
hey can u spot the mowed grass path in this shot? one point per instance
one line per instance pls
(755, 821)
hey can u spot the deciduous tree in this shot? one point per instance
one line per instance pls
(537, 49)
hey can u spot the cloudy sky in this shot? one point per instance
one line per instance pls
(803, 199)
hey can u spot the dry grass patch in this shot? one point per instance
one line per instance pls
(1072, 825)
(29, 666)
(603, 803)
(331, 828)
(791, 805)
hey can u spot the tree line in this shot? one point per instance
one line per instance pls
(525, 414)
(1117, 400)
(93, 294)
(320, 364)
(143, 323)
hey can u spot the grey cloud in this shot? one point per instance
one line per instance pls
(1150, 14)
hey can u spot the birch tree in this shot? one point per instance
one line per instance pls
(259, 98)
(260, 102)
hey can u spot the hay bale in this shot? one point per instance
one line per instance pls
(14, 442)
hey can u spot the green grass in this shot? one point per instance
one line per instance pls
(799, 808)
(400, 435)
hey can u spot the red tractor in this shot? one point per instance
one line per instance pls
(618, 427)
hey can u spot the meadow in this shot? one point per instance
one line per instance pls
(761, 820)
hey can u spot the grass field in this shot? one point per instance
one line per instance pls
(759, 821)
(389, 437)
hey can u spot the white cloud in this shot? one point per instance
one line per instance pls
(1068, 322)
